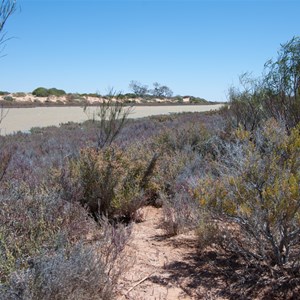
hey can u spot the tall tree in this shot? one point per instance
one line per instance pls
(282, 82)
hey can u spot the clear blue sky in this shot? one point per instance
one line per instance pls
(195, 47)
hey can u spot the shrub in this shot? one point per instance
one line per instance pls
(41, 92)
(75, 274)
(198, 100)
(189, 136)
(111, 119)
(79, 272)
(9, 98)
(180, 213)
(108, 182)
(19, 94)
(282, 82)
(275, 95)
(208, 232)
(35, 222)
(257, 188)
(56, 92)
(245, 107)
(75, 98)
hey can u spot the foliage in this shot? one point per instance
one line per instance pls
(138, 89)
(108, 182)
(56, 92)
(43, 92)
(161, 91)
(111, 117)
(42, 225)
(9, 98)
(275, 95)
(258, 189)
(198, 100)
(40, 92)
(19, 94)
(83, 271)
(181, 213)
(282, 82)
(245, 107)
(5, 152)
(208, 232)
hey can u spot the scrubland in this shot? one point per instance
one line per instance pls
(70, 196)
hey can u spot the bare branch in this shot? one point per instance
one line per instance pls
(7, 8)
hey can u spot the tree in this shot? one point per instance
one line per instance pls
(161, 90)
(275, 95)
(245, 105)
(138, 89)
(282, 81)
(7, 8)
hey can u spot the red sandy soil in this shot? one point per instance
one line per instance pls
(171, 268)
(164, 267)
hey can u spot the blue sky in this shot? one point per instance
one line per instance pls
(195, 47)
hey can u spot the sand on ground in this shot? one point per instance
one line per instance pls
(23, 119)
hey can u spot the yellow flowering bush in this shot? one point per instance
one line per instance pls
(258, 188)
(113, 182)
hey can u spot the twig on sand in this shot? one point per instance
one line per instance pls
(138, 283)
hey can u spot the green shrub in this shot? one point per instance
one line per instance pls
(108, 182)
(56, 92)
(276, 95)
(41, 92)
(198, 100)
(3, 93)
(9, 98)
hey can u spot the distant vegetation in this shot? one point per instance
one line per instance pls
(159, 91)
(43, 92)
(275, 95)
(140, 94)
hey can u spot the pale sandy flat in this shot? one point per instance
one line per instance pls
(23, 119)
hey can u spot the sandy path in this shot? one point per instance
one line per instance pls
(156, 258)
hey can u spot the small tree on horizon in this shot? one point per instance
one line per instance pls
(138, 89)
(161, 91)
